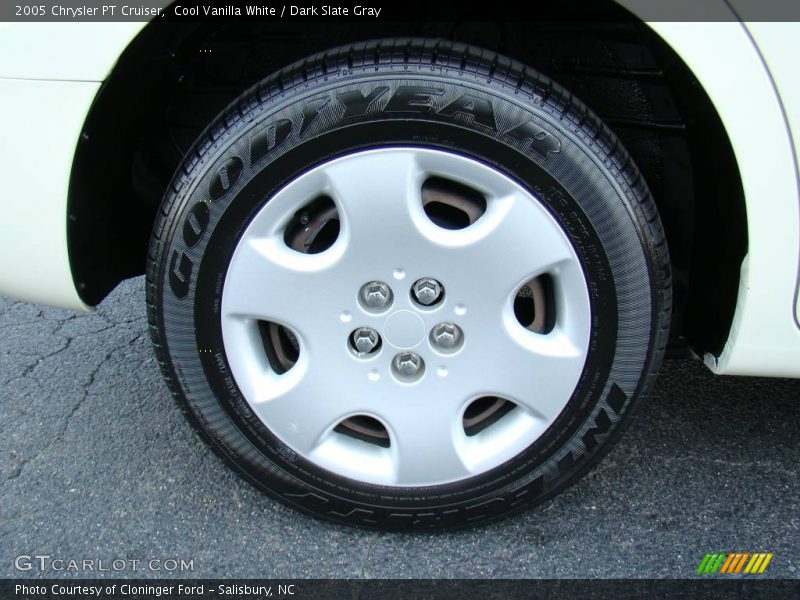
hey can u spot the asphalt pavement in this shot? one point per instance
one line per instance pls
(96, 463)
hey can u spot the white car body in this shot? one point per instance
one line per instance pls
(50, 74)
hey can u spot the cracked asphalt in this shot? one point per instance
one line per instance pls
(97, 463)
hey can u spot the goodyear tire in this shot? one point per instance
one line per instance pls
(409, 284)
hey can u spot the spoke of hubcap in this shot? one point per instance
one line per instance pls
(269, 281)
(428, 443)
(304, 408)
(379, 198)
(537, 372)
(514, 241)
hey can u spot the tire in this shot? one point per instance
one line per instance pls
(287, 272)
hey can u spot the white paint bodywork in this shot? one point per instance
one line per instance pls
(63, 51)
(41, 123)
(50, 74)
(764, 338)
(779, 45)
(47, 86)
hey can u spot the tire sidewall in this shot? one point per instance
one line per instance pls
(310, 124)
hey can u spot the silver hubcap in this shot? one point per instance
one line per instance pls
(406, 325)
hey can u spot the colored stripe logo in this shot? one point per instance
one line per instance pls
(734, 562)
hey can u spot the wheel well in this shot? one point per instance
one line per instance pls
(175, 78)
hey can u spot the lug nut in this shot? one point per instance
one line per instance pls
(447, 336)
(427, 291)
(408, 366)
(376, 295)
(365, 340)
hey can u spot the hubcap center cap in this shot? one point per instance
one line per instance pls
(404, 329)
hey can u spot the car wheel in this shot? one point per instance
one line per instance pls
(409, 284)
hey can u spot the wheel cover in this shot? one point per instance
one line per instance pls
(386, 236)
